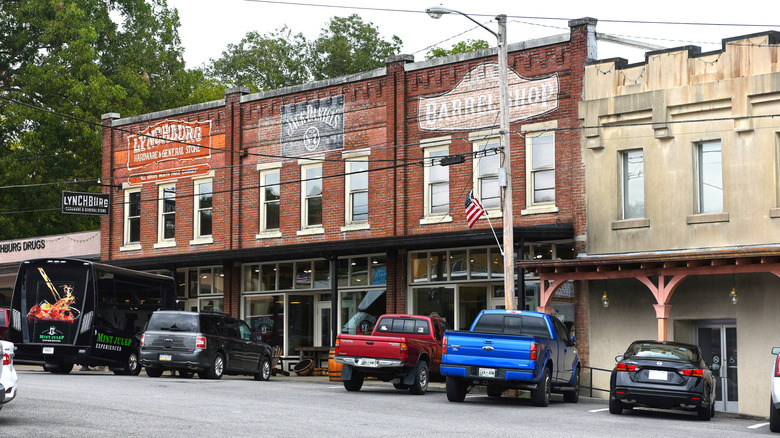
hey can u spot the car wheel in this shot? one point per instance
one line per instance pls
(774, 417)
(421, 376)
(573, 396)
(354, 383)
(264, 370)
(154, 372)
(615, 406)
(456, 389)
(541, 395)
(216, 369)
(186, 374)
(704, 414)
(132, 367)
(495, 391)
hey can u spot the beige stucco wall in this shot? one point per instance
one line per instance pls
(665, 106)
(630, 316)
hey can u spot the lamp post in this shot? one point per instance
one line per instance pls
(503, 109)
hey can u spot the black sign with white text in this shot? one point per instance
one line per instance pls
(313, 127)
(86, 203)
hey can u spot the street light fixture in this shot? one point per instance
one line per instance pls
(503, 109)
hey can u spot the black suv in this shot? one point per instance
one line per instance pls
(211, 344)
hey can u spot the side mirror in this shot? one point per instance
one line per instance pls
(618, 358)
(776, 350)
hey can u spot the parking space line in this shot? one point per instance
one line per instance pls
(756, 426)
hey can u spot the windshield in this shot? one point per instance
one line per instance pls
(175, 322)
(651, 350)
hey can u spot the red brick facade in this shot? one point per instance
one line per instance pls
(380, 115)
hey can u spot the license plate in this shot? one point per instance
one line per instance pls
(48, 350)
(656, 375)
(165, 357)
(487, 372)
(367, 362)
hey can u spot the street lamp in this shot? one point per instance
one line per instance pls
(503, 109)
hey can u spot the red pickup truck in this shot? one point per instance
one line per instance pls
(403, 349)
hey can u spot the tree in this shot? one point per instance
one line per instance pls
(263, 62)
(461, 47)
(64, 62)
(349, 45)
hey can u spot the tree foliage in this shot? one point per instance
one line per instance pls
(461, 47)
(346, 45)
(63, 62)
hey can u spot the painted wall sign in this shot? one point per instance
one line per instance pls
(170, 174)
(169, 140)
(313, 126)
(474, 102)
(86, 203)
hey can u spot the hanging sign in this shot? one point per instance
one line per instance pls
(86, 203)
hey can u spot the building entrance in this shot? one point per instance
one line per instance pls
(718, 343)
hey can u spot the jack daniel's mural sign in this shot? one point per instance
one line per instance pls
(313, 127)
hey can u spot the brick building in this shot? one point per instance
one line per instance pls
(312, 209)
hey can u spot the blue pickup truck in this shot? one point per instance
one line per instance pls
(512, 349)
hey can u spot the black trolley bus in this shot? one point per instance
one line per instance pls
(69, 311)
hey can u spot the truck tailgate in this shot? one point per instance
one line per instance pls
(386, 347)
(493, 350)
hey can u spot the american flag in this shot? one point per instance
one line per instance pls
(474, 209)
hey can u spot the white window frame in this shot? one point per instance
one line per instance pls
(350, 224)
(625, 192)
(307, 229)
(481, 140)
(265, 170)
(162, 242)
(199, 239)
(702, 179)
(128, 245)
(536, 130)
(431, 146)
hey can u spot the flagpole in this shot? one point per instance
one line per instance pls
(487, 216)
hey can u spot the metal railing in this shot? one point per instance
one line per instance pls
(589, 375)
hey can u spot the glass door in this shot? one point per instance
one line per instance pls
(718, 343)
(322, 326)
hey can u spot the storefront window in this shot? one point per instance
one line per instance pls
(343, 272)
(268, 277)
(321, 274)
(218, 281)
(434, 300)
(479, 264)
(300, 318)
(251, 278)
(438, 266)
(360, 310)
(458, 265)
(265, 316)
(211, 304)
(285, 275)
(496, 264)
(359, 276)
(471, 300)
(419, 267)
(204, 281)
(379, 270)
(303, 275)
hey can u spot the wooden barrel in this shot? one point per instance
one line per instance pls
(334, 368)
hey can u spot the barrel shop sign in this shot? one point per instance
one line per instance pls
(86, 203)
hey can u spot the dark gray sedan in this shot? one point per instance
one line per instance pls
(664, 375)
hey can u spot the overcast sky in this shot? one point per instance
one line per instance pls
(208, 26)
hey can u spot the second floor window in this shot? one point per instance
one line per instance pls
(542, 169)
(167, 208)
(709, 166)
(633, 182)
(133, 216)
(487, 164)
(437, 182)
(204, 208)
(312, 196)
(270, 196)
(357, 190)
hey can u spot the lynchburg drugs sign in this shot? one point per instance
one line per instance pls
(86, 203)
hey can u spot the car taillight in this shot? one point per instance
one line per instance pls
(6, 359)
(404, 351)
(777, 367)
(336, 348)
(142, 339)
(444, 345)
(626, 367)
(534, 351)
(692, 373)
(200, 342)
